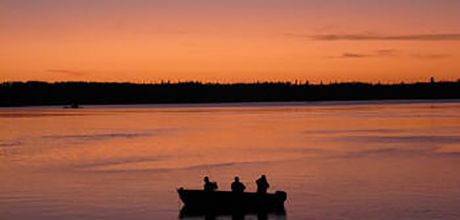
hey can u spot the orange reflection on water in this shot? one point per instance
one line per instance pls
(368, 160)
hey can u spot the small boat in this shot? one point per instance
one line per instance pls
(200, 201)
(73, 105)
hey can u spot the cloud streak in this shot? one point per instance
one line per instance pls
(404, 139)
(377, 53)
(391, 53)
(99, 137)
(378, 37)
(10, 144)
(353, 55)
(349, 131)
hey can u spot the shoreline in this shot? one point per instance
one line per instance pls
(75, 94)
(324, 103)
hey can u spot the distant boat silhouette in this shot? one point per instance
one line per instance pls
(200, 201)
(73, 105)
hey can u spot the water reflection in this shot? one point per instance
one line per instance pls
(186, 213)
(336, 160)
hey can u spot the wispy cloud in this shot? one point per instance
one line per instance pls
(67, 72)
(377, 53)
(350, 131)
(386, 52)
(99, 137)
(404, 139)
(10, 144)
(353, 55)
(383, 37)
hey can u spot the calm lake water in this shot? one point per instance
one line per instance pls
(345, 160)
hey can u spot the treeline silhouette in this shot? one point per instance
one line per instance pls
(92, 93)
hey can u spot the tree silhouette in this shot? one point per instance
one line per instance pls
(91, 93)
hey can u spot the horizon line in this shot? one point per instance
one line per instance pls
(293, 82)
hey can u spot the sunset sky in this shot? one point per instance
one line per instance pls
(229, 40)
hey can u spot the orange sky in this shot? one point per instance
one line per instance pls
(229, 40)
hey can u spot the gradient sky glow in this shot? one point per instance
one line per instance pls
(229, 40)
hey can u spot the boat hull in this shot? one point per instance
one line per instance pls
(221, 201)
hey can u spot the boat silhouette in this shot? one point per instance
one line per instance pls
(200, 202)
(73, 105)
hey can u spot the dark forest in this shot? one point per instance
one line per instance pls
(95, 93)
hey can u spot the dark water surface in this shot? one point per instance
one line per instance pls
(351, 160)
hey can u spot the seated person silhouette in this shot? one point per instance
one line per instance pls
(262, 184)
(237, 186)
(209, 186)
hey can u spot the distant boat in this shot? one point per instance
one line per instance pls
(196, 201)
(73, 105)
